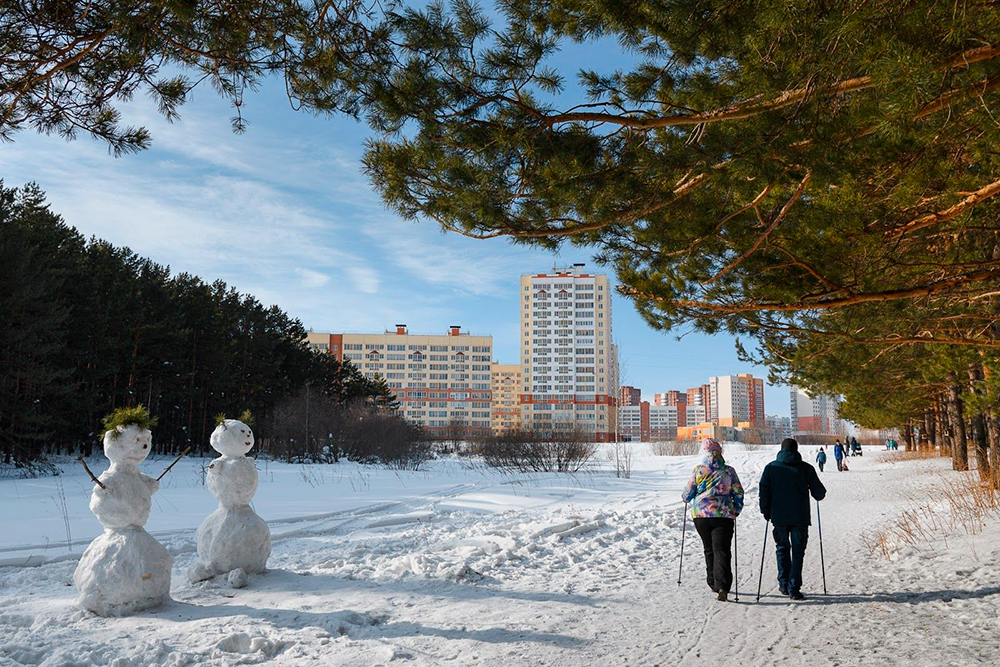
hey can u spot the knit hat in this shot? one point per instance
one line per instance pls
(709, 445)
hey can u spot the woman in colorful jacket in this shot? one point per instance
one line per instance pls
(716, 498)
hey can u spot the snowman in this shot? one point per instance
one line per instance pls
(124, 569)
(232, 539)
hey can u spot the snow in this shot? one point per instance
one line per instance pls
(459, 564)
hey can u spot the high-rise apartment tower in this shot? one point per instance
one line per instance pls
(570, 363)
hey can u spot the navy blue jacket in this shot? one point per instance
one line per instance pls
(785, 487)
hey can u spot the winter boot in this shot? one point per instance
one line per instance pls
(722, 596)
(797, 595)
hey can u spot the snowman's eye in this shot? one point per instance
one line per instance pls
(145, 446)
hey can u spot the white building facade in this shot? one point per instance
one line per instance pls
(570, 383)
(814, 414)
(736, 399)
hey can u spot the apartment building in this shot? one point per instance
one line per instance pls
(736, 400)
(781, 426)
(570, 382)
(647, 423)
(443, 382)
(814, 414)
(700, 396)
(676, 398)
(630, 396)
(506, 383)
(695, 414)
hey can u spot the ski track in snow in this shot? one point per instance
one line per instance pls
(536, 570)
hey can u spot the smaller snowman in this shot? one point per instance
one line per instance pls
(233, 539)
(124, 569)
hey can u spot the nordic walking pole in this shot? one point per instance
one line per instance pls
(762, 553)
(683, 531)
(822, 561)
(736, 556)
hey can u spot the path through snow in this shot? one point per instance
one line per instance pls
(470, 567)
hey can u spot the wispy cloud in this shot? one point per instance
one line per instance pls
(312, 278)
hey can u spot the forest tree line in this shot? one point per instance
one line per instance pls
(86, 327)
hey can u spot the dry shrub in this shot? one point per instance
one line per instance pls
(960, 504)
(673, 448)
(528, 452)
(912, 455)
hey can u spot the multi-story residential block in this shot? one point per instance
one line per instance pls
(814, 414)
(633, 422)
(678, 399)
(629, 395)
(648, 423)
(664, 421)
(781, 426)
(700, 396)
(570, 363)
(736, 399)
(695, 415)
(506, 383)
(442, 382)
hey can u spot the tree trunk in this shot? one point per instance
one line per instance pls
(939, 429)
(959, 447)
(911, 444)
(979, 426)
(931, 427)
(993, 434)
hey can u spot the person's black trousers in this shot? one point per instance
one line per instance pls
(717, 538)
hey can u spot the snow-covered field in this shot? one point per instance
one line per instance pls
(458, 564)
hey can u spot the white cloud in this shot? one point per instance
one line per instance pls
(312, 278)
(366, 279)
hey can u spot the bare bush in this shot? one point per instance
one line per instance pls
(368, 435)
(968, 504)
(313, 428)
(621, 456)
(909, 455)
(673, 448)
(28, 468)
(526, 452)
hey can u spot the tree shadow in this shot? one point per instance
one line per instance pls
(902, 597)
(357, 625)
(277, 580)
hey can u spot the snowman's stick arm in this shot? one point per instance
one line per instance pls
(92, 476)
(183, 454)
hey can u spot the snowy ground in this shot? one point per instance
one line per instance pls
(460, 565)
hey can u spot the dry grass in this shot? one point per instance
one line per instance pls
(674, 448)
(954, 505)
(913, 455)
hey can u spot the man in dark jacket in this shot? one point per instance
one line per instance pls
(785, 487)
(838, 454)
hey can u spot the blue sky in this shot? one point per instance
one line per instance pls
(285, 213)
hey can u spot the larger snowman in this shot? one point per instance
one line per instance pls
(124, 569)
(233, 537)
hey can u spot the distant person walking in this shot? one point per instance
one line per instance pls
(856, 447)
(785, 487)
(716, 498)
(838, 455)
(821, 458)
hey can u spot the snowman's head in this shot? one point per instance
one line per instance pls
(128, 445)
(232, 438)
